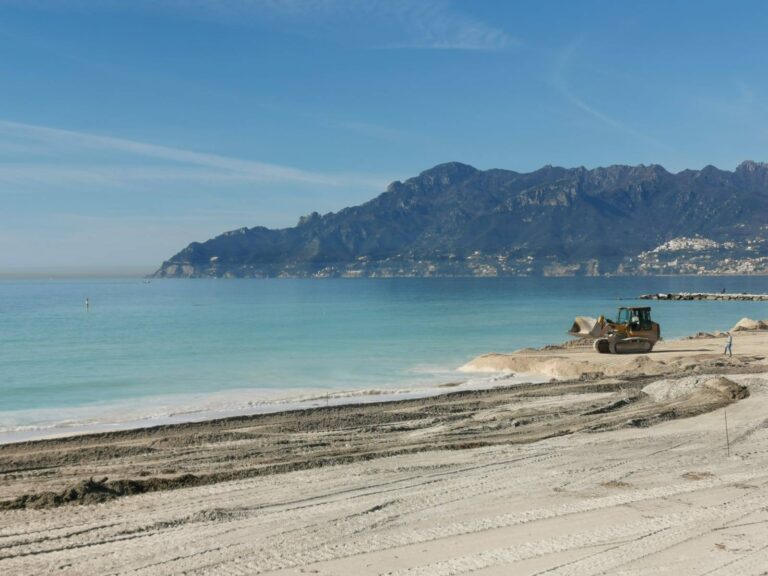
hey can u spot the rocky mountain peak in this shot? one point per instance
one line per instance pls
(448, 173)
(454, 219)
(751, 166)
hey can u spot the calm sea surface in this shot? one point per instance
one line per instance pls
(171, 349)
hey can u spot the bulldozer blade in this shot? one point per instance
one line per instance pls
(585, 327)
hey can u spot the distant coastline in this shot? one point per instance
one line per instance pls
(454, 220)
(347, 271)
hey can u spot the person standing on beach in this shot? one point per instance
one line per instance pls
(729, 345)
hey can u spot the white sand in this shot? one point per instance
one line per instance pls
(634, 502)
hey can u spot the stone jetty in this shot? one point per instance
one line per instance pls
(704, 296)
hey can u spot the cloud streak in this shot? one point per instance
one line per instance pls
(436, 25)
(425, 24)
(561, 84)
(420, 25)
(224, 167)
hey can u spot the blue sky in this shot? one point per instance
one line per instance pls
(129, 128)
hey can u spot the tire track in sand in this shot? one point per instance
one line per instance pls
(623, 543)
(286, 556)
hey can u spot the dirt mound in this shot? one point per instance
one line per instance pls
(92, 491)
(639, 366)
(705, 335)
(88, 491)
(726, 388)
(717, 387)
(748, 324)
(570, 344)
(565, 368)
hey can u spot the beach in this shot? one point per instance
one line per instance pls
(387, 288)
(171, 352)
(620, 464)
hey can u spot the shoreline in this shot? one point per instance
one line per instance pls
(624, 465)
(129, 462)
(238, 407)
(487, 371)
(541, 369)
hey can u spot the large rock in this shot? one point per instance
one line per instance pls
(749, 324)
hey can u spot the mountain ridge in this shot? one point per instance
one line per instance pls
(456, 220)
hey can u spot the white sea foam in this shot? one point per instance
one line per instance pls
(161, 410)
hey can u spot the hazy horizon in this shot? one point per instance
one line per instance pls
(63, 273)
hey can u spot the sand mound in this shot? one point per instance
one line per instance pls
(551, 366)
(667, 389)
(570, 344)
(705, 335)
(566, 368)
(638, 366)
(749, 324)
(92, 491)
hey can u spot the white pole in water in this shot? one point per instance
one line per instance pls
(727, 440)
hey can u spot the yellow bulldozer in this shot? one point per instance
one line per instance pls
(633, 332)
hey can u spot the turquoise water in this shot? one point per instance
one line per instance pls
(170, 346)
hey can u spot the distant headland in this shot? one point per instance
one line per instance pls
(456, 220)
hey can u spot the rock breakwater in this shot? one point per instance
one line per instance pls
(704, 296)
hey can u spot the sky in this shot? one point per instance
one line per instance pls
(130, 128)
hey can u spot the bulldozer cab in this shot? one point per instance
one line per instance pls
(635, 318)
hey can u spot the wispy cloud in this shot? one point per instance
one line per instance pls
(739, 102)
(422, 24)
(560, 81)
(436, 25)
(389, 24)
(225, 167)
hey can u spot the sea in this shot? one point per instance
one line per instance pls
(146, 352)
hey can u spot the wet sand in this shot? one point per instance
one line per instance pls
(588, 474)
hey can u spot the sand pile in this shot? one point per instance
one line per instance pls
(696, 386)
(575, 343)
(749, 324)
(563, 367)
(638, 366)
(704, 335)
(547, 365)
(702, 354)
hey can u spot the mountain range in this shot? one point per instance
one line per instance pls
(456, 220)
